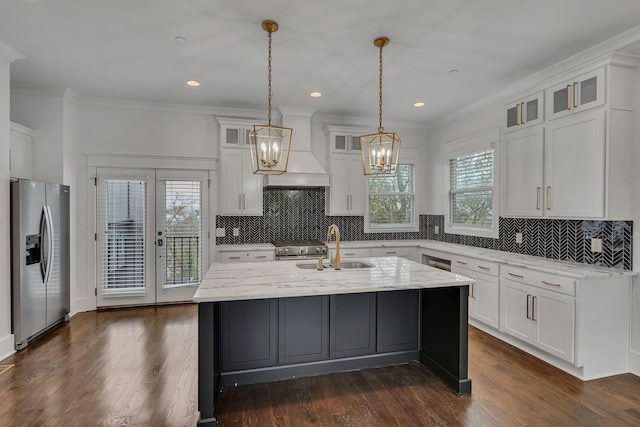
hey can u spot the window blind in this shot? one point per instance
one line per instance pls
(122, 222)
(471, 188)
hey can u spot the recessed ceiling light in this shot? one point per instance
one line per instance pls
(453, 71)
(315, 94)
(419, 104)
(193, 83)
(180, 40)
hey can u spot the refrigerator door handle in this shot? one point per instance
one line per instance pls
(51, 242)
(43, 227)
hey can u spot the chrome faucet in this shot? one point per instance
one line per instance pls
(335, 260)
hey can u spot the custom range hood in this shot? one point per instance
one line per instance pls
(304, 169)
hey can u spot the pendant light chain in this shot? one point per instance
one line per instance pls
(269, 103)
(380, 128)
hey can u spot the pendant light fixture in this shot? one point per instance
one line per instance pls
(380, 151)
(269, 144)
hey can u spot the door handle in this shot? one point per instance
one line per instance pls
(528, 313)
(533, 308)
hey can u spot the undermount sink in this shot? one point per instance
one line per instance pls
(343, 264)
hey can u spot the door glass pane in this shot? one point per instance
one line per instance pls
(512, 117)
(183, 233)
(341, 142)
(588, 90)
(123, 221)
(560, 100)
(531, 110)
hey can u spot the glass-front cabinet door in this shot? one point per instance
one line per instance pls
(523, 112)
(583, 92)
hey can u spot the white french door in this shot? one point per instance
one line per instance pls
(152, 232)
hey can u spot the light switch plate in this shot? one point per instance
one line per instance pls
(518, 237)
(220, 232)
(596, 245)
(236, 232)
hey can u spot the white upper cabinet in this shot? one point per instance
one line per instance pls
(21, 149)
(523, 112)
(345, 196)
(578, 94)
(343, 139)
(578, 163)
(240, 190)
(523, 172)
(575, 167)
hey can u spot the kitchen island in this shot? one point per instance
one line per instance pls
(269, 321)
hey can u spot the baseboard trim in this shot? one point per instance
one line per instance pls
(80, 305)
(283, 372)
(7, 346)
(634, 363)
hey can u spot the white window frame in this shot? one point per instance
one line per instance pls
(473, 144)
(407, 157)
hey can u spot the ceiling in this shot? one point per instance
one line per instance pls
(128, 49)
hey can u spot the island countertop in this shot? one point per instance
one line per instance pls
(229, 281)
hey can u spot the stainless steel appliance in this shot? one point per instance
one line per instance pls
(437, 260)
(300, 249)
(39, 258)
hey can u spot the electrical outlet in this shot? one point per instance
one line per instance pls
(236, 232)
(596, 245)
(436, 229)
(220, 232)
(518, 237)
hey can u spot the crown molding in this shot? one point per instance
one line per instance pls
(604, 52)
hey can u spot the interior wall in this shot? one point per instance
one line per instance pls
(634, 355)
(44, 114)
(124, 128)
(6, 338)
(7, 55)
(475, 122)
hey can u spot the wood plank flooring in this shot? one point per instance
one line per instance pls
(139, 367)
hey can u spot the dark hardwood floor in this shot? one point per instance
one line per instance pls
(139, 367)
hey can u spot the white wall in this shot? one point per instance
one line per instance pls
(134, 129)
(634, 356)
(7, 55)
(474, 122)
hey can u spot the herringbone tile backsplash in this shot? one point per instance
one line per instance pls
(298, 214)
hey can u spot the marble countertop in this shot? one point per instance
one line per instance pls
(563, 268)
(256, 280)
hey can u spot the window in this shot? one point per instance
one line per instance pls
(472, 198)
(391, 203)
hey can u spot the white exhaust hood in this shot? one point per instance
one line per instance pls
(304, 169)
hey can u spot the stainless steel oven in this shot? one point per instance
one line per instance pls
(300, 249)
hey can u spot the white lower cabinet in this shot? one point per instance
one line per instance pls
(543, 318)
(247, 256)
(484, 295)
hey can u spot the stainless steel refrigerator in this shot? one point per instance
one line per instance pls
(39, 258)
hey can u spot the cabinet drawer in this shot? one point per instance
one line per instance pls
(247, 256)
(540, 279)
(478, 265)
(352, 253)
(390, 252)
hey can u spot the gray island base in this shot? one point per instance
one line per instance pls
(273, 321)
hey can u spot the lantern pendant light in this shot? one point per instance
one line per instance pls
(269, 144)
(380, 151)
